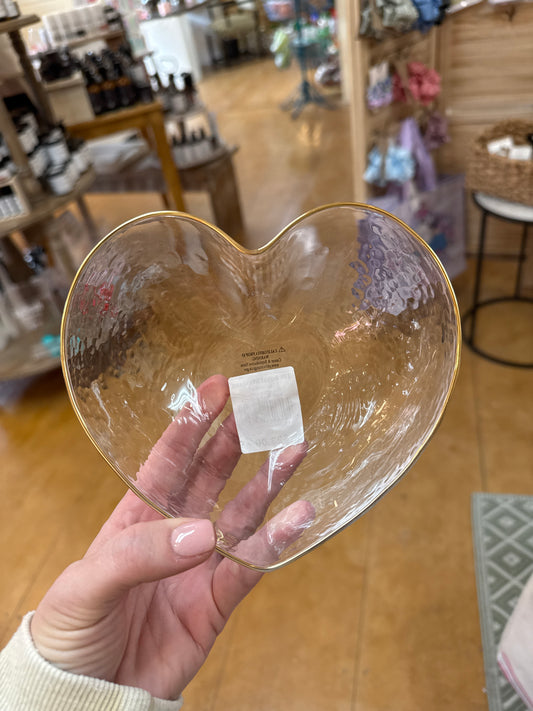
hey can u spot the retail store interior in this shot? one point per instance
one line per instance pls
(308, 105)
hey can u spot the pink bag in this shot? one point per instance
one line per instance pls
(422, 84)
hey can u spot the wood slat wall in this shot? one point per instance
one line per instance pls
(486, 61)
(485, 56)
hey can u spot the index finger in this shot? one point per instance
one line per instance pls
(163, 476)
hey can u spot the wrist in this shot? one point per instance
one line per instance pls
(29, 681)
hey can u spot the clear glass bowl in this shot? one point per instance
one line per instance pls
(348, 311)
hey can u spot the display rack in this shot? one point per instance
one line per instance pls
(306, 93)
(26, 354)
(12, 28)
(41, 203)
(46, 206)
(365, 124)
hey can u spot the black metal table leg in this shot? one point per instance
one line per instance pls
(477, 280)
(521, 260)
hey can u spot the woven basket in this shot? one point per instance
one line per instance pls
(495, 175)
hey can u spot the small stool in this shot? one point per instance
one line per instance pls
(512, 212)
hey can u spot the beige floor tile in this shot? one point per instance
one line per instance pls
(421, 640)
(58, 493)
(504, 402)
(296, 638)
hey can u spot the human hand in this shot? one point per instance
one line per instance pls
(144, 606)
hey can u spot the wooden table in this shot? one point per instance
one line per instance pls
(217, 177)
(147, 118)
(48, 204)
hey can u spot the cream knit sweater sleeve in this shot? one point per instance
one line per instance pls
(30, 683)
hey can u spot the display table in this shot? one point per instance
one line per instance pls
(216, 176)
(147, 118)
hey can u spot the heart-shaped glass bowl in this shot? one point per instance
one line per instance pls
(347, 310)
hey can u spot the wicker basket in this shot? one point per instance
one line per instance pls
(503, 177)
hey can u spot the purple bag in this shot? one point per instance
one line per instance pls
(411, 139)
(437, 216)
(436, 132)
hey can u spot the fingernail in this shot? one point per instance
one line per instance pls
(194, 538)
(213, 393)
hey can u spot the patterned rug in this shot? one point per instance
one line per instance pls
(503, 547)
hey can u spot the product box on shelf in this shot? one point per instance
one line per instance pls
(13, 202)
(68, 25)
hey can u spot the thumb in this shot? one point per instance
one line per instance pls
(143, 553)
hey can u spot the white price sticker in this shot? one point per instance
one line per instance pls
(267, 410)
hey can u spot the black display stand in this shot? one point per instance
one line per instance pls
(305, 93)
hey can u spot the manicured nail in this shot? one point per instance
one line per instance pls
(213, 395)
(193, 538)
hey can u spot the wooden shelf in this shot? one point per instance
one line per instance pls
(87, 39)
(221, 152)
(203, 4)
(114, 117)
(27, 355)
(46, 207)
(18, 23)
(484, 112)
(75, 80)
(197, 110)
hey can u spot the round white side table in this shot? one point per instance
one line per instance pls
(513, 212)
